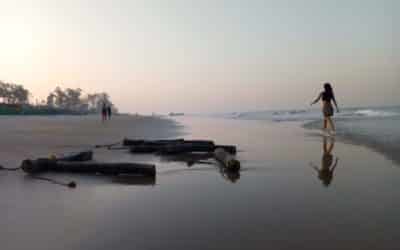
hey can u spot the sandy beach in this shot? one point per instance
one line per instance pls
(277, 201)
(34, 136)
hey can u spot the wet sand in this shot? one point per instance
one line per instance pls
(32, 136)
(277, 202)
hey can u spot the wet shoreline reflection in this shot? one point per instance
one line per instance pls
(192, 159)
(328, 162)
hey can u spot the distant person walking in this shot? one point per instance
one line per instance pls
(327, 97)
(109, 112)
(104, 112)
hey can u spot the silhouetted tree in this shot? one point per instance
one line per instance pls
(13, 93)
(51, 100)
(72, 99)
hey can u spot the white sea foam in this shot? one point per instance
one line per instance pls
(375, 113)
(312, 114)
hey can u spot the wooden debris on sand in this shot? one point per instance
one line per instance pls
(130, 142)
(45, 165)
(227, 159)
(175, 146)
(75, 157)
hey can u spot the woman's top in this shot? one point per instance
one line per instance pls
(327, 97)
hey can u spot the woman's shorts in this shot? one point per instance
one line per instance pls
(327, 110)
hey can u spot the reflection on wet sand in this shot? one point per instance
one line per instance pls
(132, 180)
(190, 159)
(328, 164)
(232, 176)
(59, 179)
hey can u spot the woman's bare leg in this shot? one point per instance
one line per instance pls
(331, 146)
(325, 145)
(332, 125)
(325, 123)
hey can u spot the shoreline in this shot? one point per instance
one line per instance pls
(349, 134)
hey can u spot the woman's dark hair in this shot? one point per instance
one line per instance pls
(328, 89)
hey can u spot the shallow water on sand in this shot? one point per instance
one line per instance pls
(277, 202)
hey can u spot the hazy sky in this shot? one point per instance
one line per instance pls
(202, 56)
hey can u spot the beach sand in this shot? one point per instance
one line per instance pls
(278, 201)
(33, 136)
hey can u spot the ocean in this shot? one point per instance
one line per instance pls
(375, 127)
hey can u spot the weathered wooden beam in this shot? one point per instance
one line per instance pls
(186, 148)
(107, 145)
(130, 142)
(79, 156)
(228, 148)
(180, 148)
(226, 159)
(146, 149)
(45, 165)
(175, 146)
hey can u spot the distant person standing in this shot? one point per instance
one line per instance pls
(327, 97)
(109, 111)
(104, 112)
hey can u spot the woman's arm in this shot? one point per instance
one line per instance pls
(317, 100)
(336, 105)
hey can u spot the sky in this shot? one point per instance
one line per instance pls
(205, 56)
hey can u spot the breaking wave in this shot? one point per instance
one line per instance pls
(307, 115)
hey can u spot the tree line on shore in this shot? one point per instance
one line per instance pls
(67, 100)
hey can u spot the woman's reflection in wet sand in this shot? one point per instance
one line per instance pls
(328, 164)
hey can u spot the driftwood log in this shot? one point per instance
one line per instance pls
(129, 142)
(107, 145)
(146, 149)
(195, 147)
(178, 146)
(232, 176)
(186, 147)
(228, 148)
(226, 159)
(76, 157)
(45, 165)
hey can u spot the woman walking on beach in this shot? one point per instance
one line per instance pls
(327, 97)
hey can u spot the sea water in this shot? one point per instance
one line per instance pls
(375, 127)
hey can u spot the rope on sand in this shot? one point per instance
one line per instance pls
(9, 169)
(71, 184)
(108, 146)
